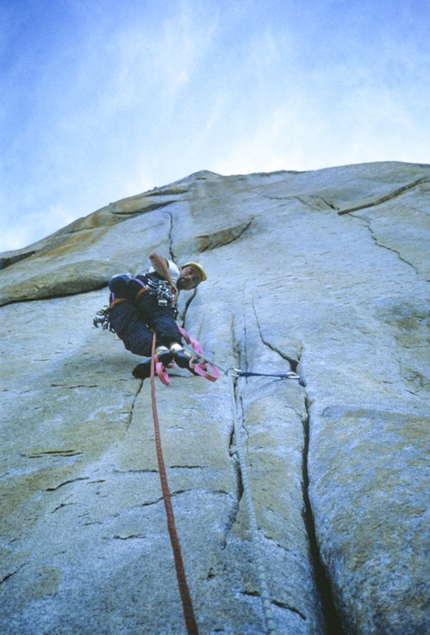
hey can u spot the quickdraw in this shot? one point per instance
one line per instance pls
(289, 375)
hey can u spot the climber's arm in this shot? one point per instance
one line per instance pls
(161, 266)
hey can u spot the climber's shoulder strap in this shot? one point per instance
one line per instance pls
(116, 301)
(139, 284)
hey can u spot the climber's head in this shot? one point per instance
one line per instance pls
(191, 275)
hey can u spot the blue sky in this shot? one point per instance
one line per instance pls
(104, 99)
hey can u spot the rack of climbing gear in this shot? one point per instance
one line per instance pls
(162, 290)
(101, 318)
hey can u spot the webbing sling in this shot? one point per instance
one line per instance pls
(187, 604)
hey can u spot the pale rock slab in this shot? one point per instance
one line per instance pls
(325, 273)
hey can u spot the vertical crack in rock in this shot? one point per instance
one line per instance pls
(187, 304)
(133, 404)
(331, 617)
(245, 348)
(232, 443)
(238, 400)
(171, 252)
(241, 355)
(173, 258)
(241, 415)
(322, 581)
(235, 462)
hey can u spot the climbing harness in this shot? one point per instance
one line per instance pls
(161, 289)
(120, 291)
(187, 604)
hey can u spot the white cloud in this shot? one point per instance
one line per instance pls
(35, 226)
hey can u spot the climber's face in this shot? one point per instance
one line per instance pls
(190, 277)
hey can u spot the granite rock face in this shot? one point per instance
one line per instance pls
(325, 273)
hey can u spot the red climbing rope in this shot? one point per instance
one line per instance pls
(187, 604)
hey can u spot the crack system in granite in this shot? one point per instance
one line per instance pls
(368, 224)
(12, 573)
(322, 581)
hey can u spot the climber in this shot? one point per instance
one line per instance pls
(146, 303)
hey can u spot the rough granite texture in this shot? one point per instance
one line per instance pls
(325, 273)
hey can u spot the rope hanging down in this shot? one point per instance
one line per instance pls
(200, 364)
(187, 604)
(253, 528)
